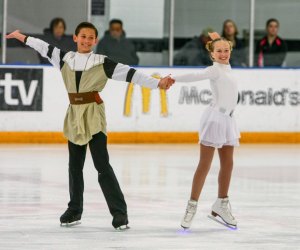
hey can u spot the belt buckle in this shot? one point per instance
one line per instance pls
(78, 99)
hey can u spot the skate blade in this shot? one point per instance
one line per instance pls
(122, 228)
(222, 222)
(72, 224)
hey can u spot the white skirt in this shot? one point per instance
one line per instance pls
(217, 129)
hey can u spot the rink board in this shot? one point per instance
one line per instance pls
(33, 103)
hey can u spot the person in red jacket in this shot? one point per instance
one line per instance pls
(271, 50)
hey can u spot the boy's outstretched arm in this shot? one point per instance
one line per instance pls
(53, 54)
(121, 72)
(17, 35)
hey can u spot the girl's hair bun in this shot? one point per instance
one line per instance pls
(209, 46)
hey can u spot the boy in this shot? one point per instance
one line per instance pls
(85, 74)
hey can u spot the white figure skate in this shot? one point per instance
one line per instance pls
(222, 209)
(190, 212)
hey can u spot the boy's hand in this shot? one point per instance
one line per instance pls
(17, 35)
(166, 82)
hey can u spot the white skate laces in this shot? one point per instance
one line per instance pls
(189, 214)
(222, 208)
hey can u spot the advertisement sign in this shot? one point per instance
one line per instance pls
(21, 89)
(269, 101)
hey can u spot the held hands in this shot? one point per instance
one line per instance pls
(166, 82)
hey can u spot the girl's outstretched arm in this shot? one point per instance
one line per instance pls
(208, 73)
(53, 54)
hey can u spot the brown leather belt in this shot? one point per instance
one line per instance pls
(84, 98)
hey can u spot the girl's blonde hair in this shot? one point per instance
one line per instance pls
(210, 45)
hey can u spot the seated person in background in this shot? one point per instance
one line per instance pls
(271, 50)
(115, 45)
(238, 55)
(193, 53)
(55, 35)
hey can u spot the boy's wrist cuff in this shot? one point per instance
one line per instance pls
(25, 39)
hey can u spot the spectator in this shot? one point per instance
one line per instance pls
(55, 35)
(238, 54)
(271, 50)
(116, 46)
(193, 52)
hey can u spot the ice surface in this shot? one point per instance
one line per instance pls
(156, 181)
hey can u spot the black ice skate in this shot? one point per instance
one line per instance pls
(120, 222)
(70, 218)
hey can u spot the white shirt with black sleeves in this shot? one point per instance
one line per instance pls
(84, 61)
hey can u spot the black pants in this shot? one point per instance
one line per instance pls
(106, 176)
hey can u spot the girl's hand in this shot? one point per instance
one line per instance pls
(17, 35)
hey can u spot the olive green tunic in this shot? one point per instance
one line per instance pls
(84, 120)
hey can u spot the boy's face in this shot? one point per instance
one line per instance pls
(85, 40)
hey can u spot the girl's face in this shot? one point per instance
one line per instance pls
(221, 53)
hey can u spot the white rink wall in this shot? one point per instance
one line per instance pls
(270, 101)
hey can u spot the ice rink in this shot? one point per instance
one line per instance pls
(156, 181)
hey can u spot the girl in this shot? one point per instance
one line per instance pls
(218, 129)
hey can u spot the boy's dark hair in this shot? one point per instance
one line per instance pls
(85, 25)
(272, 20)
(54, 22)
(113, 21)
